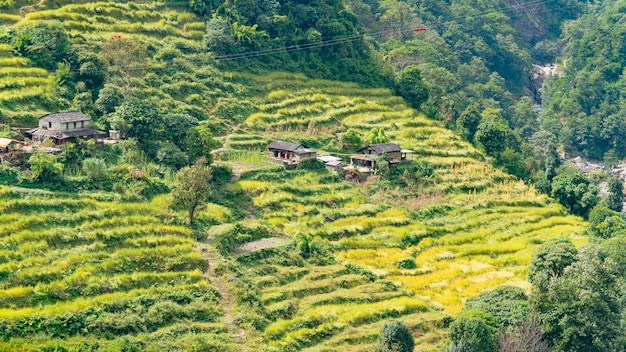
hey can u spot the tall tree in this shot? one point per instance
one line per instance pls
(45, 43)
(411, 86)
(141, 118)
(616, 194)
(575, 193)
(126, 58)
(581, 308)
(192, 188)
(492, 136)
(549, 261)
(468, 122)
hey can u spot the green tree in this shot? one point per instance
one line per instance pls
(142, 118)
(202, 7)
(45, 167)
(170, 155)
(616, 194)
(523, 117)
(492, 136)
(126, 60)
(477, 329)
(575, 193)
(217, 37)
(44, 42)
(176, 126)
(507, 304)
(549, 261)
(109, 98)
(411, 86)
(605, 223)
(395, 337)
(377, 136)
(95, 169)
(192, 188)
(352, 138)
(616, 249)
(199, 142)
(581, 308)
(468, 122)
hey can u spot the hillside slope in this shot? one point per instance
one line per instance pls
(79, 274)
(413, 253)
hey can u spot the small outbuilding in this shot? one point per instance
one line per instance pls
(288, 153)
(6, 144)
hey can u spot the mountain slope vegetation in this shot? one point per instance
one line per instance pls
(414, 253)
(583, 103)
(300, 259)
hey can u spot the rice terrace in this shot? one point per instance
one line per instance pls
(297, 176)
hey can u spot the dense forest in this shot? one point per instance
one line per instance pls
(184, 235)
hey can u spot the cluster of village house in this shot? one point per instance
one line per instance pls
(288, 153)
(63, 127)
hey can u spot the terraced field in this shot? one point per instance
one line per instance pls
(185, 81)
(99, 19)
(416, 258)
(78, 274)
(24, 89)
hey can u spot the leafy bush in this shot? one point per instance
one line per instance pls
(395, 337)
(45, 167)
(478, 329)
(406, 263)
(507, 304)
(9, 175)
(95, 169)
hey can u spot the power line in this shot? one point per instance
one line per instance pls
(331, 41)
(345, 39)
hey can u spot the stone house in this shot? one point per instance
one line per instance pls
(288, 153)
(62, 127)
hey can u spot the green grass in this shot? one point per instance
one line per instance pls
(483, 238)
(116, 271)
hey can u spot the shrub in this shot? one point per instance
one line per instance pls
(395, 336)
(311, 164)
(9, 175)
(94, 168)
(478, 329)
(45, 167)
(406, 263)
(507, 304)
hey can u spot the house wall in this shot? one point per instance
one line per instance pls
(305, 156)
(394, 155)
(280, 154)
(65, 126)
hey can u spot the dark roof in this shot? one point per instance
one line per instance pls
(282, 145)
(84, 132)
(380, 148)
(66, 134)
(50, 133)
(69, 116)
(305, 151)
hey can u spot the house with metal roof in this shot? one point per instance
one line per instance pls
(62, 127)
(366, 161)
(289, 153)
(393, 153)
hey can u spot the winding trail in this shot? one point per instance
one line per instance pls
(233, 129)
(226, 301)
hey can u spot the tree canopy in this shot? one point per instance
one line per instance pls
(192, 188)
